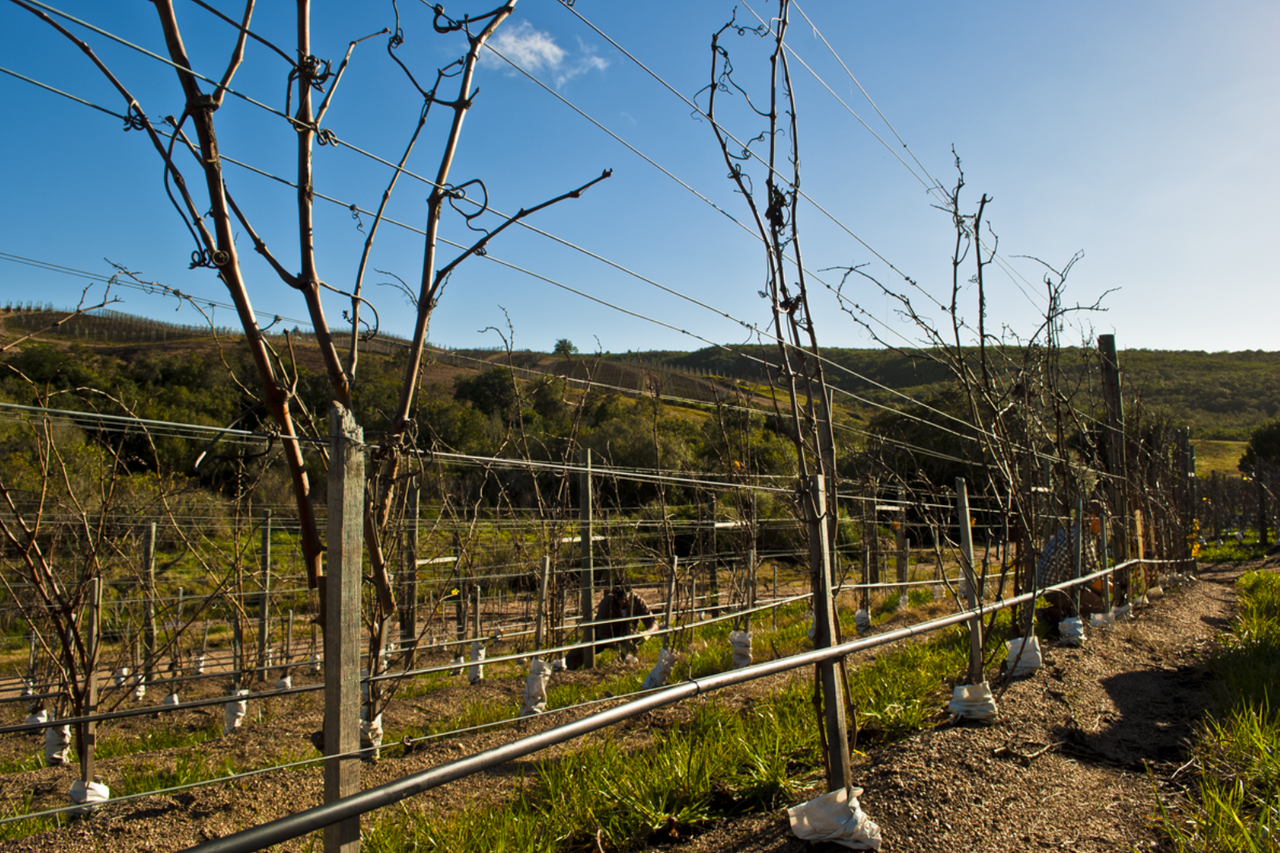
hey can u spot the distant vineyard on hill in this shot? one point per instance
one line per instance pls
(1221, 396)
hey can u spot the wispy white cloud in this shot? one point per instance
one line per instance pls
(536, 51)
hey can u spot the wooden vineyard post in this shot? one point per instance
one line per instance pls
(830, 672)
(868, 531)
(713, 578)
(1260, 479)
(904, 597)
(1077, 550)
(149, 604)
(971, 581)
(1117, 481)
(88, 730)
(342, 626)
(543, 583)
(1104, 562)
(588, 596)
(671, 601)
(460, 602)
(264, 621)
(752, 592)
(774, 609)
(409, 582)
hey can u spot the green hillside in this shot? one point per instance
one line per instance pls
(1221, 396)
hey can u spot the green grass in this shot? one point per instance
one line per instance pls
(19, 829)
(1234, 804)
(722, 761)
(172, 735)
(1231, 551)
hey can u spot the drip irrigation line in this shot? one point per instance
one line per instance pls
(309, 820)
(184, 787)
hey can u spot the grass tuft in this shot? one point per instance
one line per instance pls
(1234, 804)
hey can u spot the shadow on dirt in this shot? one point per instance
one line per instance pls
(1156, 712)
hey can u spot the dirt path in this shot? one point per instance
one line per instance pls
(1125, 702)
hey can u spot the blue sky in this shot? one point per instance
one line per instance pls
(1141, 133)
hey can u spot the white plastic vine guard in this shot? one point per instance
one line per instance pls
(837, 817)
(1071, 630)
(120, 676)
(457, 663)
(140, 688)
(862, 620)
(316, 664)
(89, 796)
(57, 742)
(234, 713)
(557, 665)
(741, 642)
(1124, 611)
(973, 702)
(535, 689)
(1155, 592)
(41, 716)
(197, 665)
(1024, 656)
(26, 688)
(284, 683)
(475, 672)
(371, 734)
(661, 670)
(170, 700)
(1102, 620)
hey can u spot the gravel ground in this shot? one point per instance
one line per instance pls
(1073, 762)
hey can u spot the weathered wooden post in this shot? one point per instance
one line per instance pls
(87, 731)
(464, 594)
(587, 594)
(544, 583)
(713, 577)
(1077, 550)
(342, 624)
(830, 672)
(750, 532)
(1117, 481)
(264, 621)
(409, 579)
(149, 604)
(900, 532)
(671, 601)
(971, 581)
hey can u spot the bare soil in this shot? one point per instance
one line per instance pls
(1076, 760)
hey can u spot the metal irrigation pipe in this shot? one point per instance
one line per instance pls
(300, 823)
